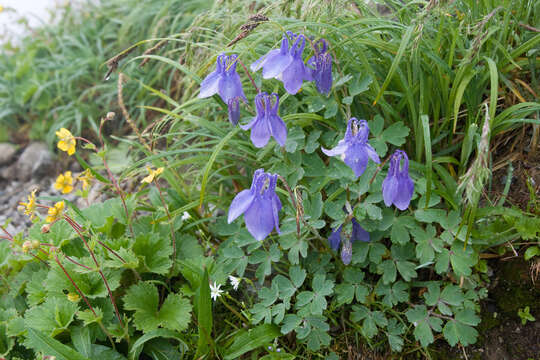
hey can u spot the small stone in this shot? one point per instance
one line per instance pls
(7, 152)
(35, 161)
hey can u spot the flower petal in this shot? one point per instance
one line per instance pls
(404, 193)
(335, 238)
(372, 154)
(250, 124)
(389, 189)
(294, 75)
(240, 204)
(358, 233)
(209, 85)
(346, 252)
(356, 157)
(340, 148)
(260, 133)
(279, 129)
(259, 219)
(230, 86)
(275, 63)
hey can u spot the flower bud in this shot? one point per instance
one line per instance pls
(35, 244)
(26, 246)
(45, 228)
(110, 115)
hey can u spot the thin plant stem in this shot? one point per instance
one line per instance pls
(113, 179)
(75, 285)
(111, 296)
(249, 75)
(170, 221)
(10, 237)
(293, 200)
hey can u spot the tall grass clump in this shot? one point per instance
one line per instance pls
(169, 270)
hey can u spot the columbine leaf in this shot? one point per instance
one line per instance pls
(461, 330)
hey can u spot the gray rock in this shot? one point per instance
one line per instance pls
(7, 152)
(35, 161)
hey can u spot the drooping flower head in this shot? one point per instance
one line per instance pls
(30, 206)
(64, 182)
(267, 121)
(398, 186)
(224, 81)
(67, 141)
(86, 178)
(260, 205)
(354, 148)
(286, 63)
(152, 175)
(358, 233)
(322, 67)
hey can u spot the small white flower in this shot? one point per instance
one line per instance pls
(234, 282)
(185, 215)
(215, 291)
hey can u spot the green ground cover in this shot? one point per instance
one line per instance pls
(448, 82)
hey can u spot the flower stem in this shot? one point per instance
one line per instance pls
(293, 200)
(248, 75)
(76, 228)
(170, 221)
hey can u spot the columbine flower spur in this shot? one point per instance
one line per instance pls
(354, 148)
(267, 121)
(260, 205)
(286, 64)
(224, 81)
(398, 186)
(358, 233)
(322, 67)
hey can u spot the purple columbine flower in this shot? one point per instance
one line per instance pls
(275, 61)
(260, 205)
(322, 67)
(224, 81)
(358, 233)
(267, 121)
(286, 64)
(354, 148)
(398, 186)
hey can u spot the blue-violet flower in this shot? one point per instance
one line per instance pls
(225, 81)
(354, 148)
(358, 233)
(286, 64)
(398, 186)
(322, 67)
(260, 205)
(267, 121)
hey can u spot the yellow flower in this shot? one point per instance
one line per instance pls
(67, 141)
(152, 174)
(55, 212)
(85, 177)
(64, 182)
(73, 297)
(30, 206)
